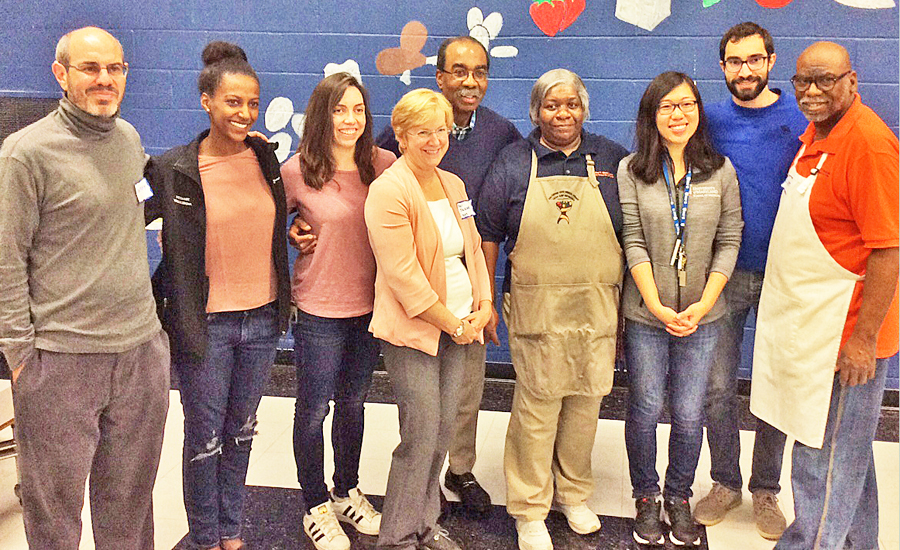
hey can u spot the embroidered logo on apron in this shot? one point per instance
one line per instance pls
(564, 201)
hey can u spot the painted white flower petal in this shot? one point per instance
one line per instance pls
(297, 122)
(493, 23)
(431, 60)
(284, 141)
(279, 113)
(349, 66)
(481, 34)
(646, 14)
(504, 51)
(474, 17)
(868, 4)
(405, 77)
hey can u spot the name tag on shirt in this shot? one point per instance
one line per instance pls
(142, 190)
(465, 209)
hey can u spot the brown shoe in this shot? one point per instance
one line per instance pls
(770, 522)
(712, 508)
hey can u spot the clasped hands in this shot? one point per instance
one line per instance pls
(684, 323)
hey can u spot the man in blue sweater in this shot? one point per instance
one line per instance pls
(758, 129)
(478, 134)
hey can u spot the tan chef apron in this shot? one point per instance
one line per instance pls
(566, 277)
(802, 310)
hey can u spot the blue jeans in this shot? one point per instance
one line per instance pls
(722, 412)
(835, 494)
(660, 364)
(220, 395)
(335, 359)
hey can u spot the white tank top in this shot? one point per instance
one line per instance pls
(459, 287)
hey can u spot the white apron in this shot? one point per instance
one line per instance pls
(567, 271)
(802, 310)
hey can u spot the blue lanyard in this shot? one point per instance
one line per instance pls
(679, 219)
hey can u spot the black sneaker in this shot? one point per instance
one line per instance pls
(472, 495)
(648, 528)
(685, 531)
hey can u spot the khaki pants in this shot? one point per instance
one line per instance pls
(548, 440)
(462, 446)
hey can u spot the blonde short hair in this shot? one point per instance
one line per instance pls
(417, 107)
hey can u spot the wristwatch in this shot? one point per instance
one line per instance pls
(459, 330)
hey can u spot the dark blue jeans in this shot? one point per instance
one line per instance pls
(722, 416)
(220, 396)
(660, 364)
(335, 359)
(835, 494)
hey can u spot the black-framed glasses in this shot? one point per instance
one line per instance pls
(686, 106)
(824, 82)
(754, 63)
(93, 69)
(461, 73)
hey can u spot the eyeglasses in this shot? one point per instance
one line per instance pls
(440, 133)
(754, 63)
(93, 69)
(824, 82)
(686, 106)
(461, 73)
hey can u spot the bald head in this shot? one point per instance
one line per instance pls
(86, 36)
(825, 85)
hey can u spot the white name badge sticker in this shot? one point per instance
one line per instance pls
(465, 209)
(142, 190)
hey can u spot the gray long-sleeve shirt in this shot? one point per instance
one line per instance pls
(713, 238)
(73, 254)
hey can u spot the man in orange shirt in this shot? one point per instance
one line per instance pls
(827, 321)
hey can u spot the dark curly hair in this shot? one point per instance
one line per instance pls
(220, 58)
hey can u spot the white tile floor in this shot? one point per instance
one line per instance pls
(272, 464)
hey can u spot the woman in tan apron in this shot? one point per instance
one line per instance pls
(553, 198)
(682, 233)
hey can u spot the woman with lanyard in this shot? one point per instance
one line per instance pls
(222, 288)
(683, 224)
(553, 198)
(327, 182)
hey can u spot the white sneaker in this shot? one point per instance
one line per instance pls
(580, 518)
(357, 511)
(323, 529)
(533, 535)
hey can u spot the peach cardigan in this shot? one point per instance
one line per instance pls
(409, 256)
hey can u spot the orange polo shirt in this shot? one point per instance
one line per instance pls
(854, 203)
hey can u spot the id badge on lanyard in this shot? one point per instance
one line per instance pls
(679, 220)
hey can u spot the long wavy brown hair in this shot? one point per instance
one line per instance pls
(315, 149)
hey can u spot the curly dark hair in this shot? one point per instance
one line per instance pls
(220, 58)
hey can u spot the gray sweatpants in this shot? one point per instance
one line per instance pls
(100, 414)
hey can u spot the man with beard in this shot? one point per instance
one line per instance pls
(827, 321)
(757, 129)
(78, 322)
(478, 134)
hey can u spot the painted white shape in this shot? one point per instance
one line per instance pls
(493, 23)
(646, 14)
(279, 113)
(297, 122)
(474, 17)
(406, 77)
(284, 141)
(504, 51)
(349, 66)
(481, 34)
(868, 4)
(155, 225)
(431, 60)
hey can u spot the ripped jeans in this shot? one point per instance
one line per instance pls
(220, 396)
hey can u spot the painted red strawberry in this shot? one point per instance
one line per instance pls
(773, 4)
(552, 16)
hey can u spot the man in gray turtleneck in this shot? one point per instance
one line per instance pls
(77, 318)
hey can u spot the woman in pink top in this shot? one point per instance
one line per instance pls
(432, 297)
(327, 182)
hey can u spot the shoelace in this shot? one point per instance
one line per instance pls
(365, 507)
(329, 525)
(767, 501)
(442, 533)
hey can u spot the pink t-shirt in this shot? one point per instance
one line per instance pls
(240, 219)
(338, 279)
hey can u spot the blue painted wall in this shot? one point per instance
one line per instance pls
(289, 43)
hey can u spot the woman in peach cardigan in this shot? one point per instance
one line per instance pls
(432, 298)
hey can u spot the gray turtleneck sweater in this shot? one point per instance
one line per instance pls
(73, 253)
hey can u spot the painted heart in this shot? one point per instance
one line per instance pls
(548, 15)
(572, 11)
